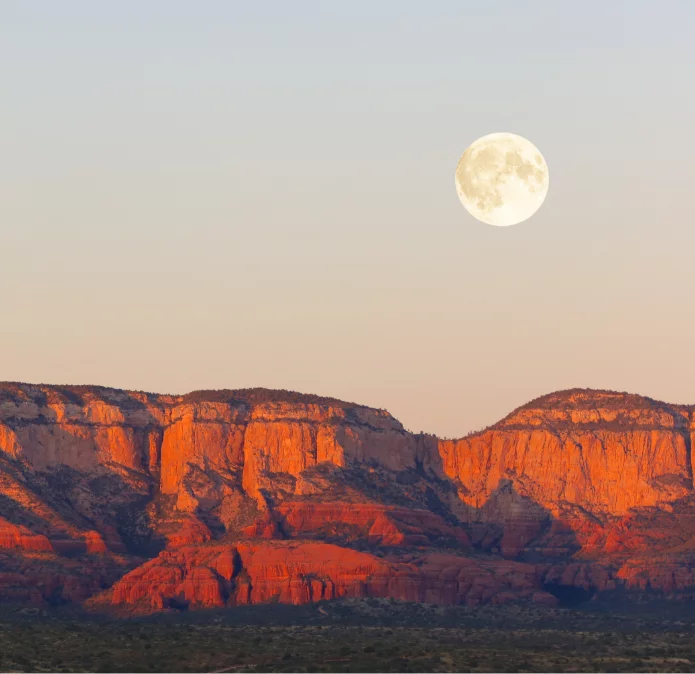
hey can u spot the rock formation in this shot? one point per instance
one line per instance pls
(147, 502)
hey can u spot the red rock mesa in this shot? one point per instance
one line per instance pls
(146, 502)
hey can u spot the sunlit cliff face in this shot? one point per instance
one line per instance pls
(92, 480)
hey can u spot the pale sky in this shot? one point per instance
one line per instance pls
(221, 194)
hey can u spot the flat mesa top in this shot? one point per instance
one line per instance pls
(79, 394)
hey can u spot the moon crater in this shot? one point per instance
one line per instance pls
(502, 179)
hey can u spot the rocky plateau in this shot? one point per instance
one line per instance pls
(133, 502)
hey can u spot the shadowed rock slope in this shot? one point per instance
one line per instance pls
(139, 502)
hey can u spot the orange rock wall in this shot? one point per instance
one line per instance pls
(600, 470)
(298, 573)
(166, 440)
(595, 479)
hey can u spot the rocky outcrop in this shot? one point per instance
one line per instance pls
(604, 452)
(298, 573)
(19, 537)
(376, 523)
(577, 489)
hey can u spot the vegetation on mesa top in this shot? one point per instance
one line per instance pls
(569, 399)
(615, 411)
(79, 394)
(258, 396)
(587, 398)
(43, 394)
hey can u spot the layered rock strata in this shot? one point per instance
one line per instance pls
(314, 498)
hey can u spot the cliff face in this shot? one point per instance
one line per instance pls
(301, 572)
(576, 488)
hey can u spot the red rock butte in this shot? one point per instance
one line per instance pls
(136, 502)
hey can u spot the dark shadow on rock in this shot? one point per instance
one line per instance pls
(570, 596)
(517, 527)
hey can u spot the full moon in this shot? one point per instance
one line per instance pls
(502, 179)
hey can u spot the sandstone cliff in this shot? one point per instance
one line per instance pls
(305, 498)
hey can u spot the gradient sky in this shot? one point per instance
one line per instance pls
(223, 194)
